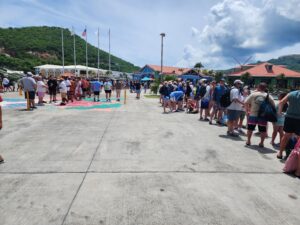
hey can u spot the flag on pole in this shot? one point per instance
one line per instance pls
(84, 33)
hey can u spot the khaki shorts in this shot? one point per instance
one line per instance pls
(63, 95)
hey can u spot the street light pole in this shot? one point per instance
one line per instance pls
(162, 52)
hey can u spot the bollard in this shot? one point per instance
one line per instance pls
(125, 96)
(28, 103)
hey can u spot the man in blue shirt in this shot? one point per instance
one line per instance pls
(176, 97)
(96, 87)
(217, 109)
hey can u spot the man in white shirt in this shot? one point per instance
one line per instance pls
(107, 88)
(235, 108)
(63, 91)
(5, 84)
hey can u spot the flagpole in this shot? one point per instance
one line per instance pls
(109, 66)
(86, 53)
(74, 46)
(62, 50)
(98, 56)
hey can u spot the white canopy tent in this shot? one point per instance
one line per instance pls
(57, 70)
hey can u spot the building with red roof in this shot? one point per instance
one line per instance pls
(275, 75)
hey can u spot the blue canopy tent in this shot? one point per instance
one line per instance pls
(146, 79)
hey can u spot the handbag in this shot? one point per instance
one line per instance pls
(291, 163)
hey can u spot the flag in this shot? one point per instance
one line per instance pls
(84, 33)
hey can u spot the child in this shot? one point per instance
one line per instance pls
(278, 126)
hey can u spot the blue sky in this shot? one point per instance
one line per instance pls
(212, 32)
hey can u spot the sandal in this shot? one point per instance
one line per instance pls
(279, 156)
(261, 145)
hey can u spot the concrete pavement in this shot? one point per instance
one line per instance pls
(136, 166)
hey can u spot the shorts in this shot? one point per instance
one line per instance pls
(291, 125)
(31, 95)
(6, 85)
(63, 95)
(41, 94)
(96, 92)
(280, 121)
(204, 104)
(52, 92)
(254, 120)
(217, 106)
(107, 91)
(166, 99)
(180, 99)
(84, 89)
(138, 91)
(233, 115)
(242, 115)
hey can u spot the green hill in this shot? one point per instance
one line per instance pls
(25, 48)
(290, 61)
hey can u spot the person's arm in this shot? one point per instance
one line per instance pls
(282, 102)
(0, 118)
(247, 105)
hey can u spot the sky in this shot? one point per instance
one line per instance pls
(215, 32)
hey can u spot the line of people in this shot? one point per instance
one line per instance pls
(231, 105)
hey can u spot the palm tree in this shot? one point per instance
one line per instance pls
(198, 66)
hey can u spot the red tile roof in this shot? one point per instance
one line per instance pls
(260, 70)
(169, 69)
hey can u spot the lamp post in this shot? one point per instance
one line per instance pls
(162, 52)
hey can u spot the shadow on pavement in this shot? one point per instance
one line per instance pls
(261, 150)
(231, 138)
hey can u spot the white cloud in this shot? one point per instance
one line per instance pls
(242, 28)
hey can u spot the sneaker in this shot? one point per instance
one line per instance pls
(232, 134)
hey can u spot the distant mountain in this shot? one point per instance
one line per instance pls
(290, 61)
(25, 48)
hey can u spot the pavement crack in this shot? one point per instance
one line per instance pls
(88, 168)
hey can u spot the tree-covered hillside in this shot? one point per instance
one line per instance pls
(290, 61)
(25, 48)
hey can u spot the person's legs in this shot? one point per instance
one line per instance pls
(214, 111)
(206, 111)
(263, 135)
(283, 143)
(281, 133)
(274, 134)
(250, 130)
(109, 95)
(201, 111)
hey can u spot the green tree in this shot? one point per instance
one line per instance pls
(218, 76)
(246, 77)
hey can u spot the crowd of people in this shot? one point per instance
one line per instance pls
(239, 108)
(70, 89)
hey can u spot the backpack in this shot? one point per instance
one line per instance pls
(267, 111)
(225, 100)
(202, 91)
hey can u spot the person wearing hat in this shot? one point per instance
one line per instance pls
(235, 109)
(29, 86)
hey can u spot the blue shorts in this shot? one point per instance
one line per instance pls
(233, 115)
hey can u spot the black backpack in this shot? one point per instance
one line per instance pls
(267, 111)
(225, 99)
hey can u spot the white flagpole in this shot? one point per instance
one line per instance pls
(109, 66)
(74, 46)
(62, 51)
(98, 56)
(86, 53)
